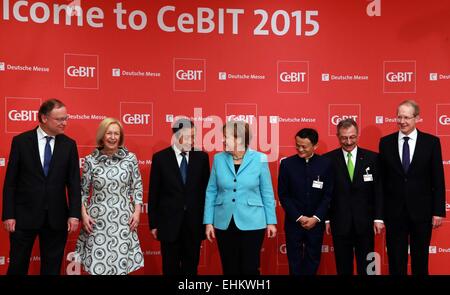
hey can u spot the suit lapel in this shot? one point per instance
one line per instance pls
(395, 154)
(35, 147)
(342, 165)
(230, 163)
(191, 166)
(417, 150)
(174, 166)
(359, 167)
(248, 157)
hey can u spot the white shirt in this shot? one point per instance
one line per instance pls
(411, 142)
(354, 153)
(42, 141)
(179, 156)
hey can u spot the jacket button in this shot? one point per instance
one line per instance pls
(406, 179)
(234, 190)
(233, 200)
(235, 180)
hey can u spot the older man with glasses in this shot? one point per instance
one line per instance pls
(41, 192)
(414, 191)
(356, 208)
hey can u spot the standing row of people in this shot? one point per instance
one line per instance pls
(351, 192)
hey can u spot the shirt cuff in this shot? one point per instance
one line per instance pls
(299, 218)
(318, 219)
(378, 220)
(327, 221)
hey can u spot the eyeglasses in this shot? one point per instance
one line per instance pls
(400, 118)
(60, 120)
(345, 138)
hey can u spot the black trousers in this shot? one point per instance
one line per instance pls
(398, 232)
(240, 250)
(181, 257)
(304, 248)
(51, 243)
(351, 245)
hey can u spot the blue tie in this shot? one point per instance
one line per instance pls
(47, 155)
(183, 167)
(405, 155)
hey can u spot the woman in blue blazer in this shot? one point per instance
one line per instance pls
(240, 204)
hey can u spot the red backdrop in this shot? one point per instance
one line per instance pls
(282, 64)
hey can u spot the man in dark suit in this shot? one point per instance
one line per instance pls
(414, 191)
(356, 207)
(43, 164)
(178, 180)
(305, 184)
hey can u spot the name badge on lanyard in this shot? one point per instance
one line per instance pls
(317, 183)
(367, 177)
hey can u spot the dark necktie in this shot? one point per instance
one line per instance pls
(47, 155)
(405, 154)
(183, 167)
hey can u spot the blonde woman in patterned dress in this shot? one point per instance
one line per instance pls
(111, 204)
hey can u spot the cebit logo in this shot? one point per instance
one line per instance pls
(81, 71)
(189, 74)
(2, 66)
(399, 77)
(325, 249)
(136, 119)
(447, 206)
(246, 112)
(292, 77)
(444, 120)
(433, 76)
(2, 260)
(21, 113)
(246, 118)
(339, 112)
(3, 163)
(24, 115)
(138, 116)
(336, 119)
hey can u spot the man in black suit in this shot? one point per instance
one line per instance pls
(305, 185)
(178, 180)
(414, 191)
(356, 206)
(43, 164)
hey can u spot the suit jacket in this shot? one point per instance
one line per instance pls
(247, 195)
(27, 191)
(171, 202)
(421, 191)
(295, 187)
(356, 202)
